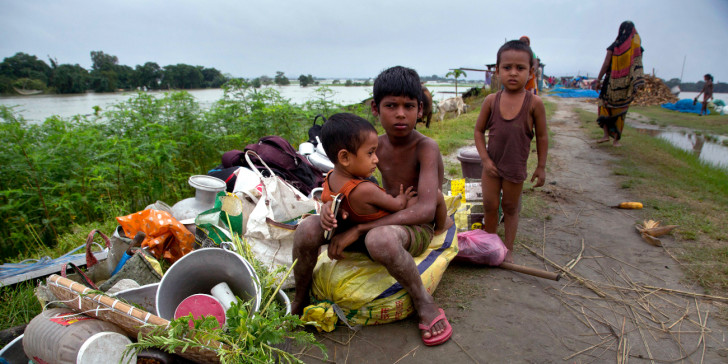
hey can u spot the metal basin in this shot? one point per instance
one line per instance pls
(199, 271)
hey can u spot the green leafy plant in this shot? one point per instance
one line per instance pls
(248, 338)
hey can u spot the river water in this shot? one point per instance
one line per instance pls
(39, 107)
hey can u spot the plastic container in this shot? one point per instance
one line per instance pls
(61, 336)
(200, 305)
(470, 162)
(206, 188)
(200, 271)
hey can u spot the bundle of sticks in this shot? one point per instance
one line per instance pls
(654, 92)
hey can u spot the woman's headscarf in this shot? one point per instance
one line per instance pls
(625, 31)
(625, 71)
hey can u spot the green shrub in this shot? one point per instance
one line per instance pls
(86, 169)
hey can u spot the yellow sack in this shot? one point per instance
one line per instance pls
(364, 290)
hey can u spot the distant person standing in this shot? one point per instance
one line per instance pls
(623, 74)
(707, 92)
(531, 84)
(539, 74)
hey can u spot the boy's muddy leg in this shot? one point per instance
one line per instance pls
(510, 203)
(387, 245)
(307, 240)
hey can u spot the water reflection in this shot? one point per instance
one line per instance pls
(709, 149)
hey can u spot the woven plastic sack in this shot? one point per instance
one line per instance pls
(363, 290)
(480, 247)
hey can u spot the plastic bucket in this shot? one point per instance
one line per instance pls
(470, 162)
(200, 271)
(61, 336)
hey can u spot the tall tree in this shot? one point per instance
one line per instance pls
(23, 65)
(456, 73)
(125, 76)
(70, 79)
(149, 75)
(212, 77)
(281, 79)
(102, 61)
(303, 81)
(104, 76)
(265, 80)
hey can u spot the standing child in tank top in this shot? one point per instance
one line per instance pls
(512, 117)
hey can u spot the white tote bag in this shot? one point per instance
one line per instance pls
(274, 219)
(246, 188)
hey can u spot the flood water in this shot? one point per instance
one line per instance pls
(709, 149)
(39, 107)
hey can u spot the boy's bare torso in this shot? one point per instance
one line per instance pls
(400, 163)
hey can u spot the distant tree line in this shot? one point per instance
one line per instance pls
(27, 72)
(696, 86)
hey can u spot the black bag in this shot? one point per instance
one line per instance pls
(226, 174)
(280, 156)
(315, 130)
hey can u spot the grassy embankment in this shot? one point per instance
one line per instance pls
(709, 124)
(21, 306)
(677, 189)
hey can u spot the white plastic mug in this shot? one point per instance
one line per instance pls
(224, 294)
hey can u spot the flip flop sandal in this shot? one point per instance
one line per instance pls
(444, 336)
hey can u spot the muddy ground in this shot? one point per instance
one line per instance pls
(613, 307)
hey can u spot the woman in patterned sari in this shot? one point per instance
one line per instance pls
(623, 70)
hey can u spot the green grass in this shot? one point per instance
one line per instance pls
(677, 189)
(20, 304)
(713, 123)
(550, 109)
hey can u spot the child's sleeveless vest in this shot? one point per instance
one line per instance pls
(509, 141)
(326, 196)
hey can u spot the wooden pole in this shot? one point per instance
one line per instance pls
(531, 271)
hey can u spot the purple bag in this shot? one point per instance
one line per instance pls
(280, 156)
(480, 247)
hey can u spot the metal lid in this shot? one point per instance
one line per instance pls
(207, 183)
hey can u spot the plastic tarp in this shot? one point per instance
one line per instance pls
(574, 92)
(685, 105)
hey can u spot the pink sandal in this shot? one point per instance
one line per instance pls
(444, 336)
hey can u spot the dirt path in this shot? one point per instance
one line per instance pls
(500, 316)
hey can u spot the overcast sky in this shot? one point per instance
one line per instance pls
(328, 38)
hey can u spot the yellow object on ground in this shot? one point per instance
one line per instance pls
(457, 187)
(364, 290)
(630, 205)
